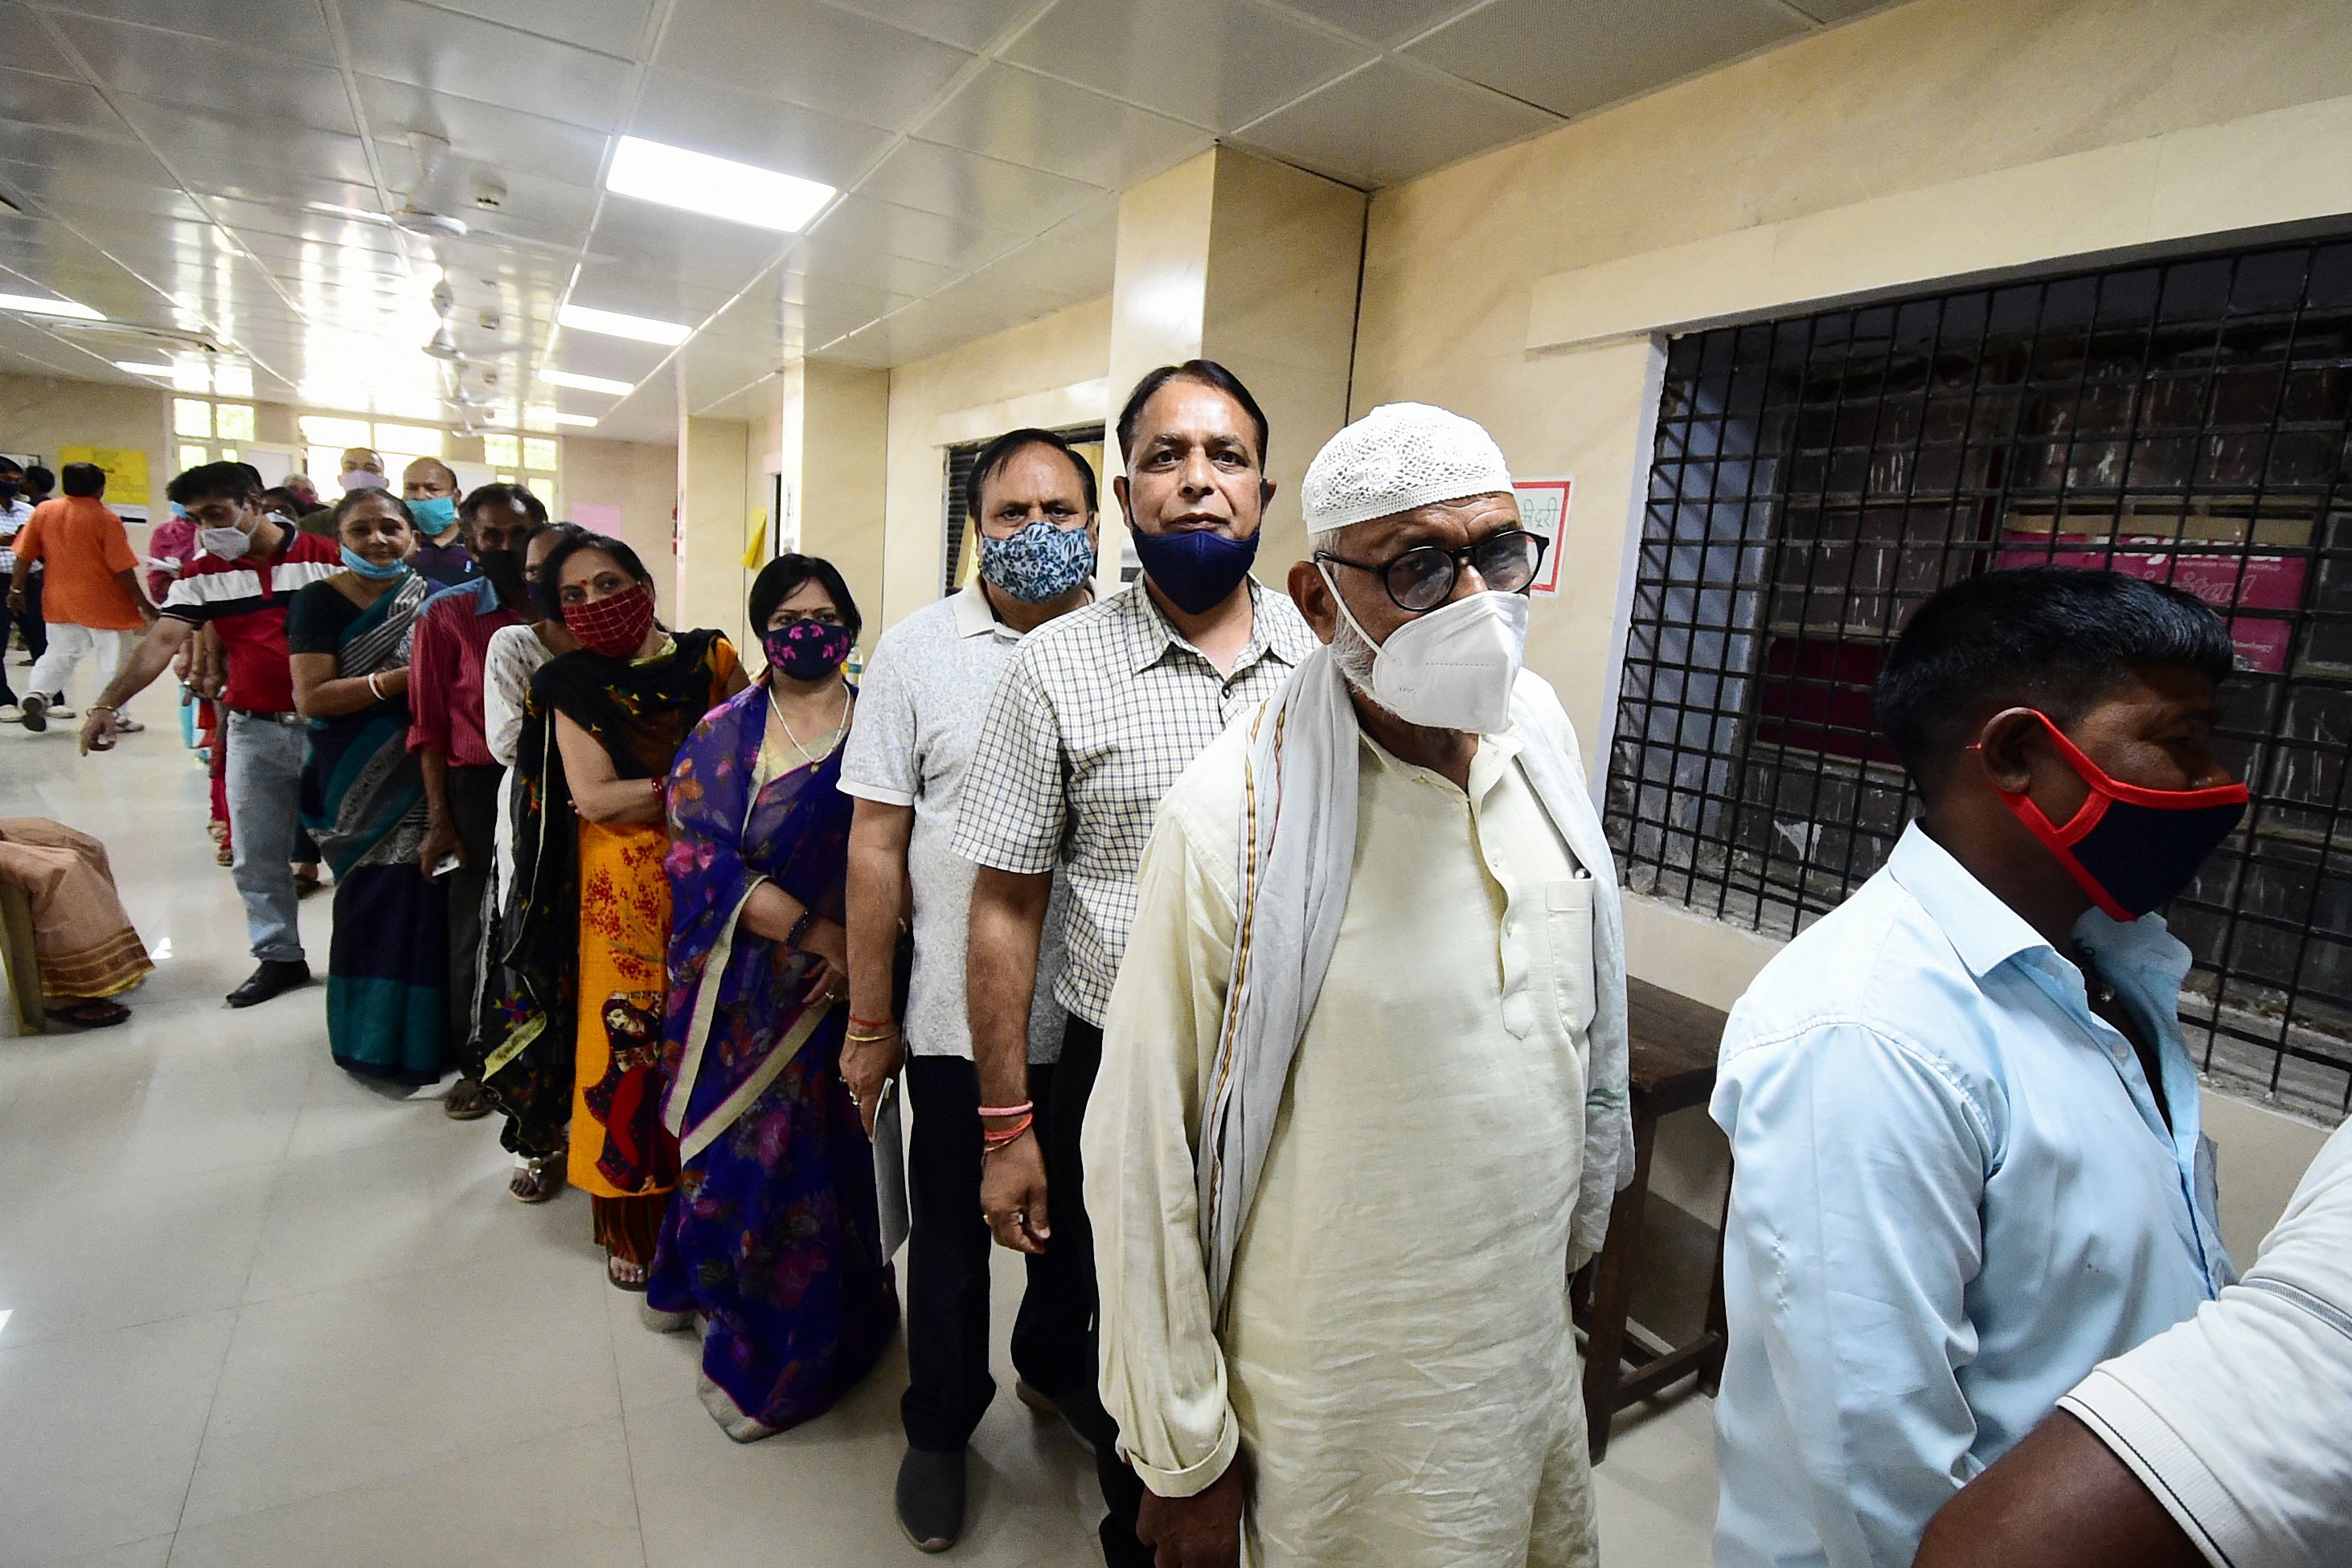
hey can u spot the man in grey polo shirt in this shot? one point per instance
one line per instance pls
(1094, 720)
(1032, 501)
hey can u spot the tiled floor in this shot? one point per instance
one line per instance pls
(262, 1313)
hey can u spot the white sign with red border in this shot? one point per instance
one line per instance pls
(1543, 511)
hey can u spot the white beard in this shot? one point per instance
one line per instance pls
(1353, 652)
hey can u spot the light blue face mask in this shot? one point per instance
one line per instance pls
(366, 567)
(436, 514)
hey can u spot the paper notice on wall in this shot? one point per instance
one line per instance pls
(126, 471)
(597, 518)
(1543, 512)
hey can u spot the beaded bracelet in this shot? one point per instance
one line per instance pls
(800, 928)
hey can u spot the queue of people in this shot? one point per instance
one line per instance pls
(1251, 962)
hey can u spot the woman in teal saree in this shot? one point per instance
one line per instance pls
(363, 796)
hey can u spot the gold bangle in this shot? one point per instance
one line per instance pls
(870, 1039)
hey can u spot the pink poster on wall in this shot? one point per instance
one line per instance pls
(2226, 580)
(597, 516)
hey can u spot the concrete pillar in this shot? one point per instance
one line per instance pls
(713, 456)
(1235, 258)
(845, 458)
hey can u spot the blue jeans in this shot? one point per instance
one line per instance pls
(265, 802)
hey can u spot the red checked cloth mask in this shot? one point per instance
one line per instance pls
(615, 625)
(2132, 849)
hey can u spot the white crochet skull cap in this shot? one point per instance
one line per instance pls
(1399, 456)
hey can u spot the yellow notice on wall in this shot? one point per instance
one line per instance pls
(126, 470)
(755, 542)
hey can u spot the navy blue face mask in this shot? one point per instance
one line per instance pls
(1197, 569)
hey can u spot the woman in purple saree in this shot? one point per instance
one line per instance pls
(772, 1239)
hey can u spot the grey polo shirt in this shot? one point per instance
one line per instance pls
(919, 709)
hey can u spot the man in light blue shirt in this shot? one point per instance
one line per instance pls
(1963, 1119)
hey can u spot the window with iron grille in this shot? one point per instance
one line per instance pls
(1816, 477)
(954, 535)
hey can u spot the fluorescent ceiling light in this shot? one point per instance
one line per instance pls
(579, 419)
(136, 369)
(587, 383)
(741, 193)
(42, 305)
(613, 324)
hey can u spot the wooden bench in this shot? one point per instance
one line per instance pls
(1672, 1068)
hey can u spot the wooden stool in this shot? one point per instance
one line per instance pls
(1672, 1068)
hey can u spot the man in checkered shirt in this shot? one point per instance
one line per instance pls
(1095, 717)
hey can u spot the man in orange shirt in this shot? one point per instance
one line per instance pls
(92, 598)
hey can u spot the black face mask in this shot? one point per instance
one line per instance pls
(504, 568)
(8, 488)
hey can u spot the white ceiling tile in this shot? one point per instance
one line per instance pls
(290, 27)
(610, 27)
(1388, 123)
(984, 191)
(967, 24)
(810, 54)
(209, 134)
(845, 261)
(685, 111)
(1384, 22)
(1024, 118)
(585, 354)
(108, 196)
(179, 68)
(1570, 58)
(1065, 264)
(448, 53)
(608, 284)
(883, 228)
(490, 134)
(64, 157)
(26, 47)
(1216, 63)
(54, 105)
(708, 251)
(255, 182)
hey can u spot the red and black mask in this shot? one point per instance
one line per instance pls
(2131, 848)
(615, 625)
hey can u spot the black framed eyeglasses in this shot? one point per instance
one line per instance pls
(1422, 578)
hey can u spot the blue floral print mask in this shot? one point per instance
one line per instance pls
(1040, 563)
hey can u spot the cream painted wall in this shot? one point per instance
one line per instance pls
(712, 487)
(1931, 137)
(1048, 373)
(40, 415)
(845, 468)
(639, 477)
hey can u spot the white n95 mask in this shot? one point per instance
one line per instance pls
(1454, 667)
(229, 544)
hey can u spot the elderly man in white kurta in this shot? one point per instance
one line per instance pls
(1362, 1104)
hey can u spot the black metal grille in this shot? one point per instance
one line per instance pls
(1816, 477)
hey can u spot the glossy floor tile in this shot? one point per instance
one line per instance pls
(263, 1314)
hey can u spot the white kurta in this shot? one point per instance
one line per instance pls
(1397, 1357)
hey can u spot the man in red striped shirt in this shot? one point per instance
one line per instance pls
(445, 732)
(250, 568)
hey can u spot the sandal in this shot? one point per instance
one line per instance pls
(223, 856)
(307, 882)
(93, 1013)
(626, 1274)
(127, 727)
(536, 1181)
(467, 1100)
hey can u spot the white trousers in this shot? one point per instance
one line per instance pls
(69, 645)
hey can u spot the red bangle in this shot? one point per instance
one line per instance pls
(989, 1142)
(857, 1022)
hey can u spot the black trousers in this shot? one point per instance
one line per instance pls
(948, 1251)
(474, 808)
(1066, 1187)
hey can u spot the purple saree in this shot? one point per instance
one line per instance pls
(772, 1237)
